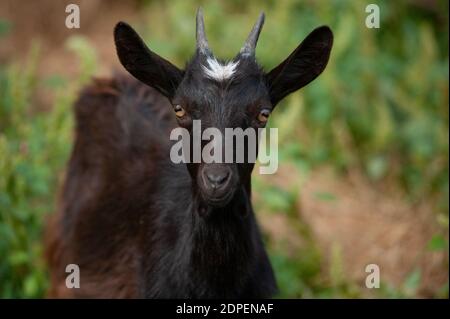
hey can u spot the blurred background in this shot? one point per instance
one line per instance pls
(363, 169)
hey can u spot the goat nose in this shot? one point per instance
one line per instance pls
(217, 179)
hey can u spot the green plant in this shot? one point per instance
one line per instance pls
(34, 146)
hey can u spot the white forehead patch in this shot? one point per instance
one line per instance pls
(219, 72)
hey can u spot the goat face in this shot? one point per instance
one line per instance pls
(223, 95)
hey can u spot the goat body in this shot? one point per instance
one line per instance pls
(128, 216)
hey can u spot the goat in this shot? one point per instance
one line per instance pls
(139, 225)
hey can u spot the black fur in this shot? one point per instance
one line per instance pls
(139, 225)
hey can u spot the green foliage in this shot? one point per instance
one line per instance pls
(380, 107)
(438, 243)
(5, 27)
(34, 146)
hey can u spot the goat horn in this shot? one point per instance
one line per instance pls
(250, 44)
(202, 42)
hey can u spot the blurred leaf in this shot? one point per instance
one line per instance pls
(5, 27)
(412, 282)
(18, 258)
(437, 243)
(55, 81)
(377, 167)
(30, 286)
(279, 200)
(325, 196)
(86, 54)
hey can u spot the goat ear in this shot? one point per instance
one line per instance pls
(144, 64)
(307, 61)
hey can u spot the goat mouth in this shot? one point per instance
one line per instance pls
(218, 201)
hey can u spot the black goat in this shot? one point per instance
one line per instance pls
(136, 223)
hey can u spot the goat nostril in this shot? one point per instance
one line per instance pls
(217, 180)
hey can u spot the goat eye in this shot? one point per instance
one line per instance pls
(179, 111)
(263, 115)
